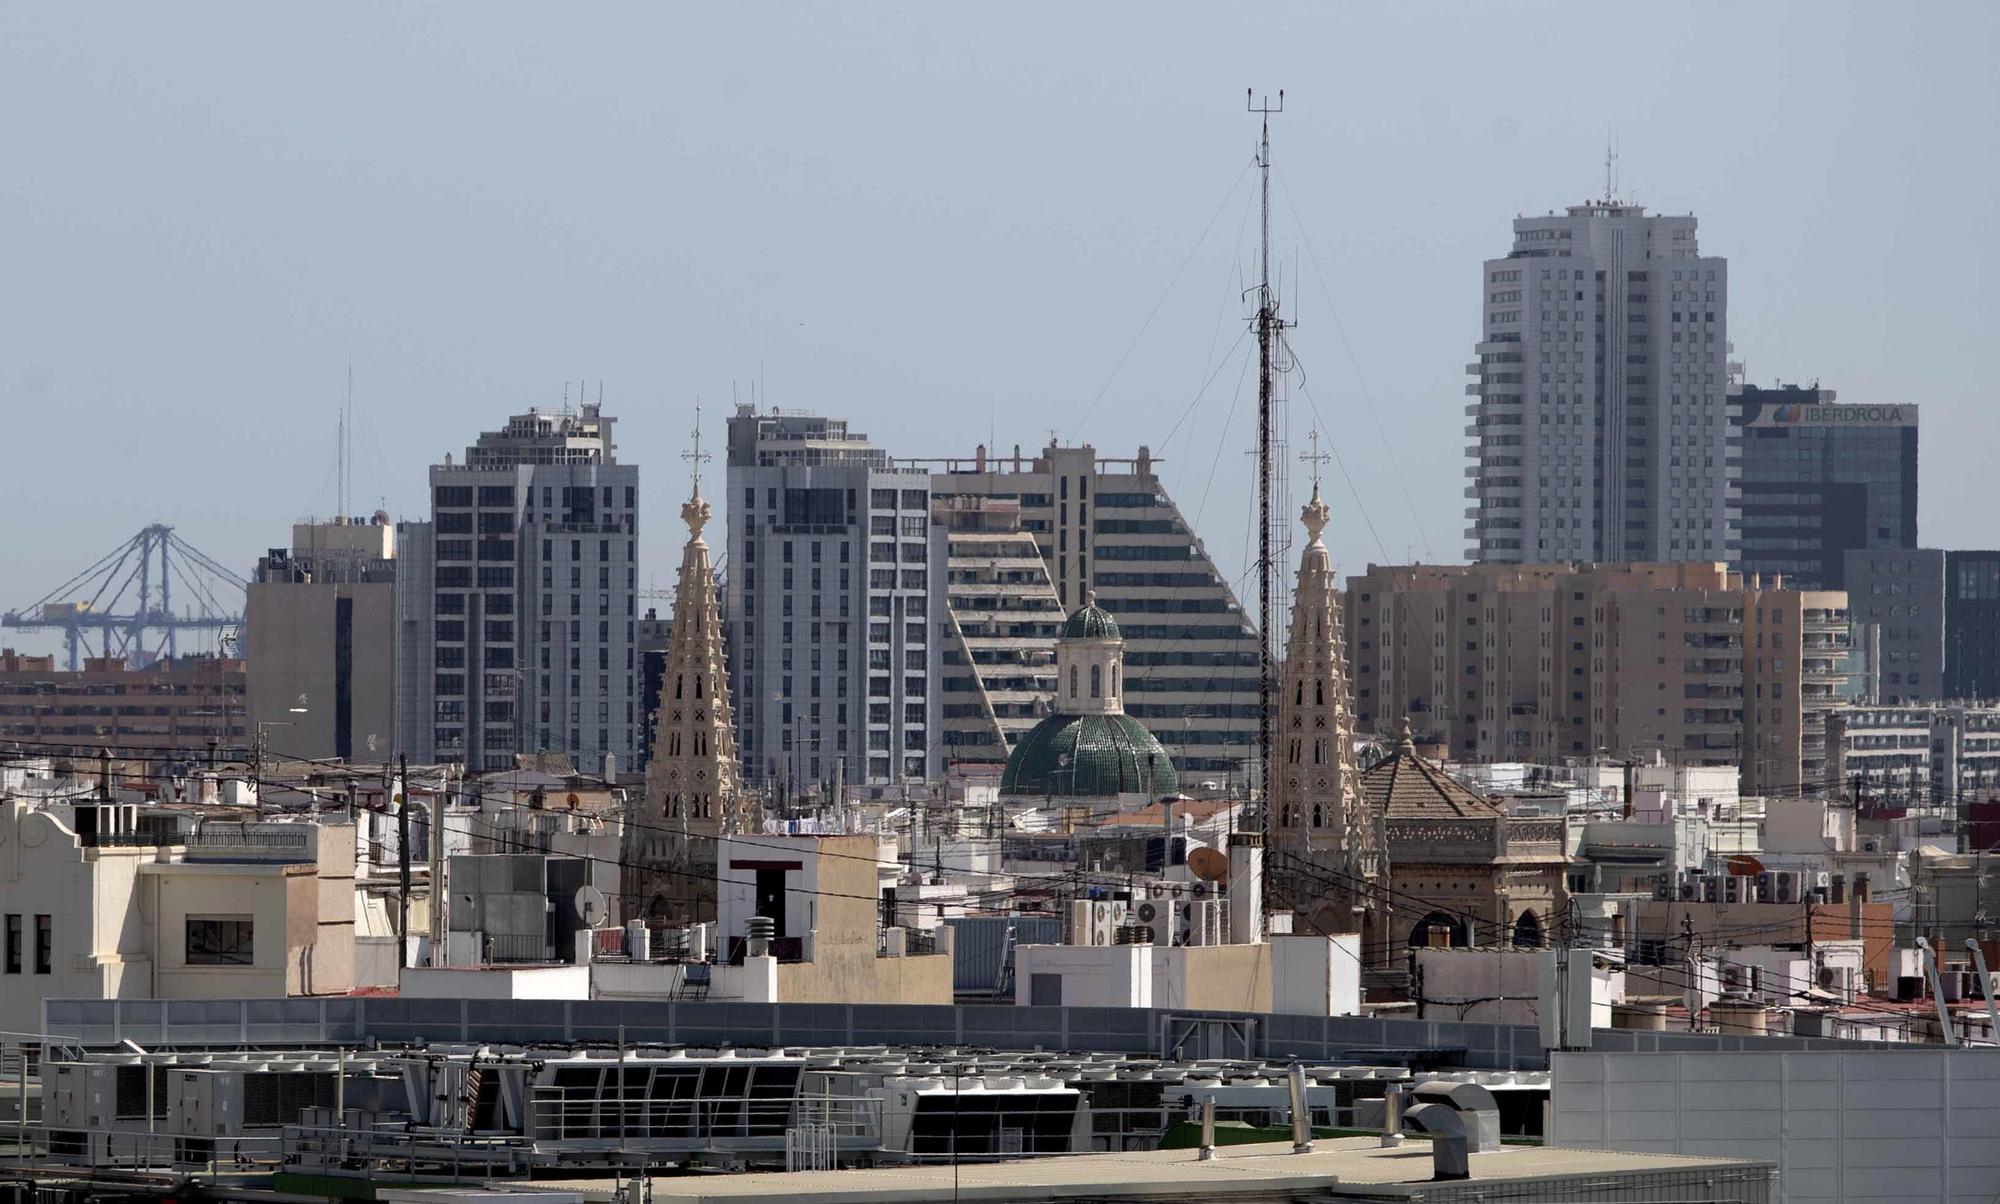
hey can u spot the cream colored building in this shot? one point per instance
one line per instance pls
(1545, 662)
(319, 639)
(108, 899)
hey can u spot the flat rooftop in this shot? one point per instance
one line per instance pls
(1335, 1164)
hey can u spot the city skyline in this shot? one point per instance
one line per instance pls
(407, 252)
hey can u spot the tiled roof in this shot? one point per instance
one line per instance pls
(1405, 786)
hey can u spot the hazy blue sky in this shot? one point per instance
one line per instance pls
(939, 221)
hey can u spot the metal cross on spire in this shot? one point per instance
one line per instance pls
(695, 456)
(1315, 457)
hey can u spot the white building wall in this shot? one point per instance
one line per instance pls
(736, 885)
(1316, 976)
(1880, 1126)
(99, 935)
(1100, 976)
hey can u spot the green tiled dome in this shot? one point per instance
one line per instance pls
(1090, 622)
(1089, 756)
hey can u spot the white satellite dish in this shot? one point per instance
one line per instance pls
(590, 906)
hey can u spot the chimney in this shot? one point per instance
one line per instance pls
(1246, 888)
(1392, 1116)
(1302, 1134)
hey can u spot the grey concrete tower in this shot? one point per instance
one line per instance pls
(1599, 428)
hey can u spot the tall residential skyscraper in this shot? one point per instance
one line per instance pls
(828, 605)
(517, 623)
(1819, 479)
(1600, 431)
(1107, 524)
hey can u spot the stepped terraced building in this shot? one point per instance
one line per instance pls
(1107, 525)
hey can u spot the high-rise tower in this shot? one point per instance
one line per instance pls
(1600, 430)
(516, 629)
(829, 601)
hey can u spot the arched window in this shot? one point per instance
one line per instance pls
(1528, 931)
(1096, 681)
(1072, 681)
(1318, 817)
(697, 684)
(680, 680)
(1319, 693)
(1114, 681)
(700, 744)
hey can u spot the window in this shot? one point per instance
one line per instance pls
(44, 944)
(220, 941)
(14, 943)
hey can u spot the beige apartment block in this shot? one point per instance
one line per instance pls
(1689, 663)
(319, 640)
(102, 899)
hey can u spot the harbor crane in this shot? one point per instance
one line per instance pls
(142, 574)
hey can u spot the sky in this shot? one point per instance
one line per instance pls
(948, 223)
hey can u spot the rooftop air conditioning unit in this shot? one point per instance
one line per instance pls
(1105, 917)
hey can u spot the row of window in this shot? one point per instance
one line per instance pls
(44, 943)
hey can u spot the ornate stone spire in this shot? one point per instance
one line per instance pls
(693, 783)
(1320, 816)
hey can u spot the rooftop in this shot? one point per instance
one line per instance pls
(1336, 1167)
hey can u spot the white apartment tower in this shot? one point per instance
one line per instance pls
(516, 629)
(1599, 427)
(827, 605)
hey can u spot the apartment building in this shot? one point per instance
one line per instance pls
(1598, 430)
(1109, 525)
(319, 640)
(828, 605)
(187, 708)
(998, 626)
(517, 623)
(1915, 756)
(1543, 662)
(1896, 600)
(1972, 624)
(1819, 479)
(105, 897)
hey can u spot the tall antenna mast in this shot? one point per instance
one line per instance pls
(1610, 168)
(1269, 326)
(347, 444)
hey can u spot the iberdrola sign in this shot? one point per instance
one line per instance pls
(1799, 414)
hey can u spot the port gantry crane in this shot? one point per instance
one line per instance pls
(141, 573)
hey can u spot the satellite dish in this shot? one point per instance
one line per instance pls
(573, 800)
(1209, 865)
(590, 907)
